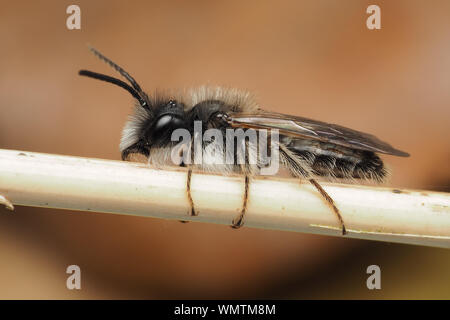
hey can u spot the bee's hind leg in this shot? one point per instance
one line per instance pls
(8, 204)
(330, 202)
(298, 167)
(239, 220)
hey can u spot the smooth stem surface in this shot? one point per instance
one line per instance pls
(384, 214)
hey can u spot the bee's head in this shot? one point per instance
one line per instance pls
(152, 122)
(152, 128)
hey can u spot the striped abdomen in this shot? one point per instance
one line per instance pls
(332, 160)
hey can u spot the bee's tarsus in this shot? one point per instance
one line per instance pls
(239, 220)
(330, 202)
(8, 204)
(188, 191)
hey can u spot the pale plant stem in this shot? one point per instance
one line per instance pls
(85, 184)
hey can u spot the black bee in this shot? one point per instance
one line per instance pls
(307, 148)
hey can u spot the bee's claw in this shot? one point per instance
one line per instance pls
(237, 222)
(192, 213)
(344, 231)
(8, 204)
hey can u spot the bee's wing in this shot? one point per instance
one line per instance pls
(311, 129)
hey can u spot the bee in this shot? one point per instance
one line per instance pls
(308, 149)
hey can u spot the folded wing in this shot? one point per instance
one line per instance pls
(311, 129)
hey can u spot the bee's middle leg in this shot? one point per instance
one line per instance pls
(238, 221)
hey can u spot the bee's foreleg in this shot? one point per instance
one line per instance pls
(188, 192)
(330, 202)
(239, 220)
(8, 204)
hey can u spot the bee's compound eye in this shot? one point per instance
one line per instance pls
(163, 121)
(168, 122)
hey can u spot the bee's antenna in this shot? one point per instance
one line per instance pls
(117, 82)
(118, 69)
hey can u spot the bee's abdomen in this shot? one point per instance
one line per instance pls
(331, 160)
(368, 166)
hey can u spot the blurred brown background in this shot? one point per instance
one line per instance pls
(311, 58)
